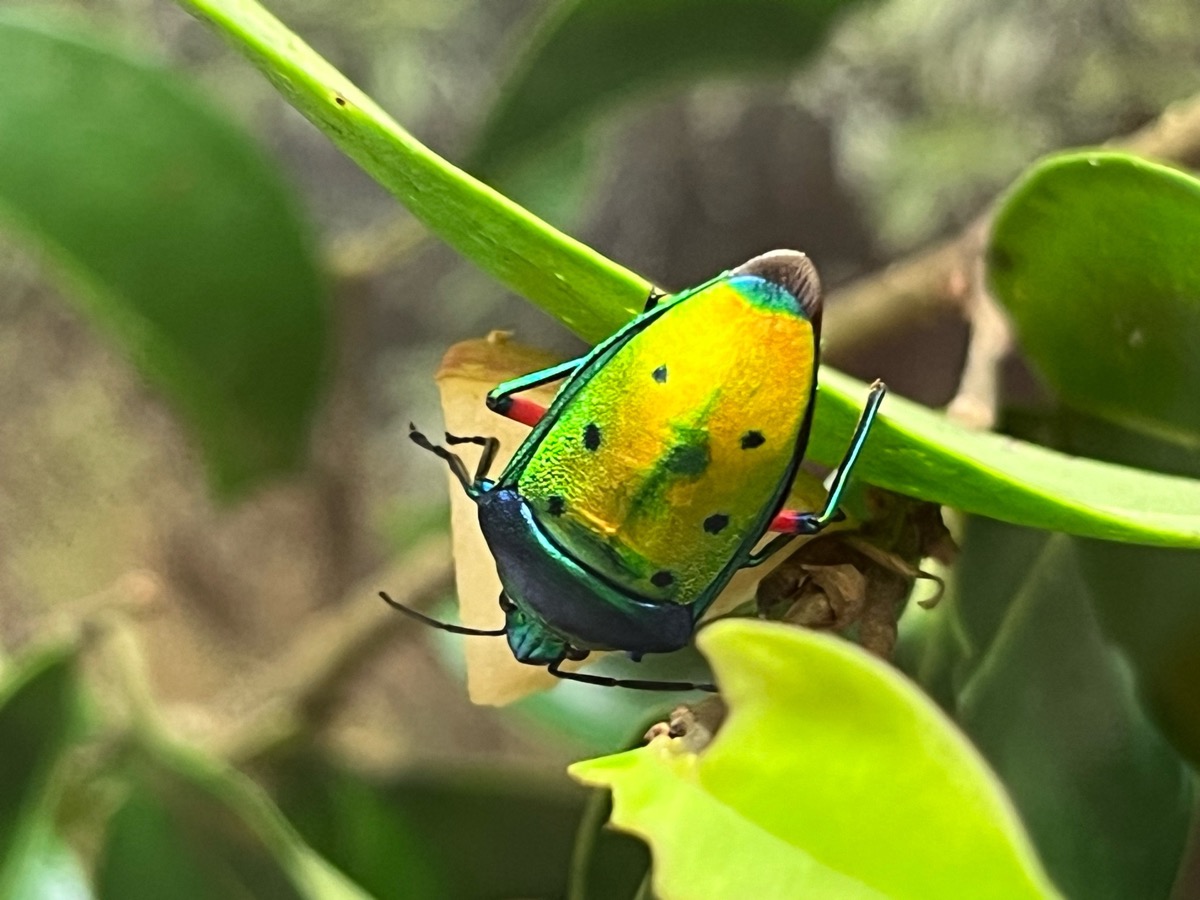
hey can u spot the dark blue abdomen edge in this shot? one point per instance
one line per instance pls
(578, 605)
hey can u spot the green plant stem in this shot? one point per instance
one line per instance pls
(595, 814)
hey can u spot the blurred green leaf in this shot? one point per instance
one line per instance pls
(1052, 706)
(590, 53)
(912, 450)
(191, 830)
(832, 777)
(451, 834)
(500, 237)
(181, 239)
(1148, 599)
(37, 717)
(51, 870)
(1094, 255)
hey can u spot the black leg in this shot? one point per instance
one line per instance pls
(443, 626)
(489, 444)
(631, 683)
(652, 300)
(457, 466)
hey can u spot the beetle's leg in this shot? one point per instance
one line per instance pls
(457, 466)
(652, 300)
(443, 626)
(777, 543)
(790, 521)
(500, 399)
(631, 683)
(489, 444)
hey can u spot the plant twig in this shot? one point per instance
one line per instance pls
(977, 403)
(932, 281)
(299, 693)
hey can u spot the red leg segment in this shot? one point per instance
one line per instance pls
(786, 521)
(527, 412)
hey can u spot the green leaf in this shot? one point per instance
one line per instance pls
(912, 450)
(1094, 255)
(450, 834)
(37, 718)
(179, 238)
(51, 870)
(1149, 601)
(834, 776)
(191, 830)
(1148, 598)
(915, 451)
(587, 54)
(1052, 706)
(496, 234)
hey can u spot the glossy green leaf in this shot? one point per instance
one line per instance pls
(833, 776)
(912, 450)
(37, 717)
(178, 237)
(1094, 255)
(450, 834)
(915, 451)
(189, 829)
(1052, 705)
(590, 53)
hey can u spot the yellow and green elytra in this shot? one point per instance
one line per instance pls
(664, 459)
(684, 436)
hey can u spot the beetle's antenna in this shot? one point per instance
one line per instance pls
(489, 444)
(444, 626)
(633, 684)
(457, 466)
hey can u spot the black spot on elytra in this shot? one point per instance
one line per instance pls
(555, 505)
(752, 439)
(716, 523)
(660, 374)
(591, 436)
(662, 578)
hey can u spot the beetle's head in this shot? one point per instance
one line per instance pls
(530, 640)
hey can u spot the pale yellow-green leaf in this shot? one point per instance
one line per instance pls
(834, 776)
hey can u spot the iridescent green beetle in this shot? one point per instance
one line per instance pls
(664, 459)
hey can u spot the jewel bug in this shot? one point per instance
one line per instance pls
(665, 457)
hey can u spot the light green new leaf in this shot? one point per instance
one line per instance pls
(588, 53)
(190, 829)
(1094, 255)
(37, 716)
(178, 236)
(912, 450)
(833, 776)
